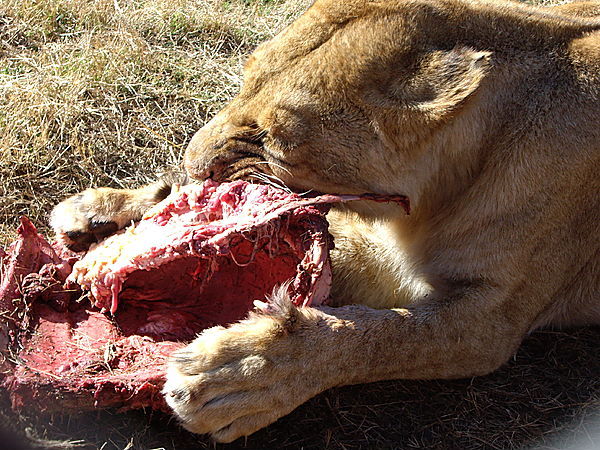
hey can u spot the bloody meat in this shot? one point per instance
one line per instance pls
(81, 332)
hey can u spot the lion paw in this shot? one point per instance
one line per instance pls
(231, 382)
(93, 214)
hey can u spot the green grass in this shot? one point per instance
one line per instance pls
(108, 92)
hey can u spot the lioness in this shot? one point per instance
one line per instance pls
(486, 114)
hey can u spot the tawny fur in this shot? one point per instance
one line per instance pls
(486, 115)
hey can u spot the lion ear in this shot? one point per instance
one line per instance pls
(442, 81)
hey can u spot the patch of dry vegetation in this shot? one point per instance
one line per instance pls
(108, 92)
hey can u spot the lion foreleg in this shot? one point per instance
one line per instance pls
(232, 381)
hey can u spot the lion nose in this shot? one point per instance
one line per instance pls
(205, 155)
(197, 165)
(205, 163)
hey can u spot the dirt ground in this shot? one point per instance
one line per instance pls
(108, 92)
(547, 397)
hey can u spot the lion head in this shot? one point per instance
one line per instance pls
(373, 96)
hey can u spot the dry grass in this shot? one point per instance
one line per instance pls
(107, 92)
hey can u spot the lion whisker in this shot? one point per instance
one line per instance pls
(276, 165)
(267, 180)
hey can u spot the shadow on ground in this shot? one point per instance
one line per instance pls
(548, 396)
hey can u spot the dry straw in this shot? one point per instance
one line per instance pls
(108, 92)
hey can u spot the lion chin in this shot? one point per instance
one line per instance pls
(485, 114)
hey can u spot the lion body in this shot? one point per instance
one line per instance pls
(486, 114)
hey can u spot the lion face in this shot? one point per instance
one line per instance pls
(343, 101)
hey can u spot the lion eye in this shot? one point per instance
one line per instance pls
(275, 142)
(252, 134)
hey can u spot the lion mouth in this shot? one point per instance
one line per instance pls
(255, 169)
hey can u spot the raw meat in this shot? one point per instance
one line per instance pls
(199, 258)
